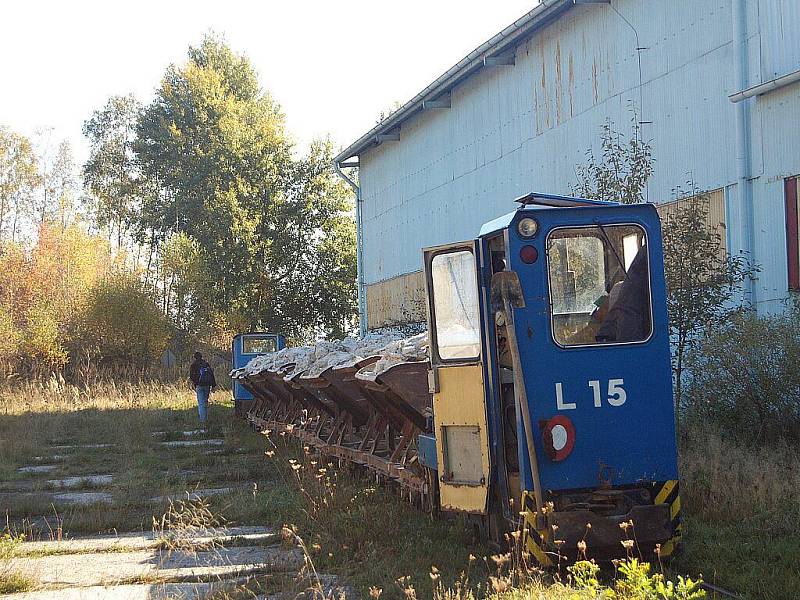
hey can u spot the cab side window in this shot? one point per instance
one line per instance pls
(599, 285)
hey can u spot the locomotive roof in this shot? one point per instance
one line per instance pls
(538, 201)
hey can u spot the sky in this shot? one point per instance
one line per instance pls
(332, 66)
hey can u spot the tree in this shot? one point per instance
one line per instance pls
(182, 271)
(620, 174)
(63, 184)
(19, 178)
(218, 148)
(43, 292)
(702, 280)
(111, 173)
(306, 275)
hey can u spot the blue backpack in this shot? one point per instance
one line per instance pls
(205, 376)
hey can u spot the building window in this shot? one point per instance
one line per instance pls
(715, 220)
(792, 237)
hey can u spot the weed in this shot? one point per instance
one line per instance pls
(184, 521)
(11, 580)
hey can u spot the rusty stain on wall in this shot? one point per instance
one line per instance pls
(559, 86)
(571, 86)
(546, 99)
(398, 300)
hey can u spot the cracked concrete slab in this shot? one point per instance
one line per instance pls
(81, 446)
(37, 469)
(80, 481)
(83, 498)
(158, 591)
(149, 540)
(185, 443)
(109, 568)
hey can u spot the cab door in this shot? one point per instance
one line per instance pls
(457, 376)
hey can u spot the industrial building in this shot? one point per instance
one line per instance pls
(714, 83)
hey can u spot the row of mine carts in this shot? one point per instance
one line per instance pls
(353, 412)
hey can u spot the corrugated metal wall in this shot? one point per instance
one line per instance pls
(515, 129)
(779, 43)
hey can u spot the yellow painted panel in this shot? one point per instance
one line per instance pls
(461, 403)
(716, 214)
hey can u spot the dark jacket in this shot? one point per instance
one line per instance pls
(194, 372)
(629, 319)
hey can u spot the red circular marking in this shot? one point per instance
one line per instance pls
(528, 254)
(547, 438)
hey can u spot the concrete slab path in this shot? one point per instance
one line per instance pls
(148, 540)
(80, 481)
(111, 568)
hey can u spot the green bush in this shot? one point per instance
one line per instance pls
(122, 323)
(745, 378)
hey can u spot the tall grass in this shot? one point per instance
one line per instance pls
(40, 414)
(741, 514)
(723, 481)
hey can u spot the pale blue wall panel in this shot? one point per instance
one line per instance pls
(511, 130)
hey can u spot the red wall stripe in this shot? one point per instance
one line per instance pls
(792, 239)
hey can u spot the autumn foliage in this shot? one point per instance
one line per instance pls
(67, 301)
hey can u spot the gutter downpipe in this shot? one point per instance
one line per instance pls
(362, 301)
(744, 190)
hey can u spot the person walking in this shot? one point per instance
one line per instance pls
(201, 376)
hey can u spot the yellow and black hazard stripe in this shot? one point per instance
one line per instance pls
(533, 540)
(668, 492)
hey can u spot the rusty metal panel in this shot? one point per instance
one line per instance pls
(462, 452)
(396, 301)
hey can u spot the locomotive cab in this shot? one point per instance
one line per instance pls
(244, 348)
(551, 378)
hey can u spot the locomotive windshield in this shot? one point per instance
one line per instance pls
(455, 305)
(259, 344)
(599, 285)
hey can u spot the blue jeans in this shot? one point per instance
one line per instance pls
(202, 392)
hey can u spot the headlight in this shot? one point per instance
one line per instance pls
(527, 227)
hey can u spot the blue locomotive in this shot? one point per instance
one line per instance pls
(544, 401)
(244, 348)
(551, 378)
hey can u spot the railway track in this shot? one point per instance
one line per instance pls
(720, 591)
